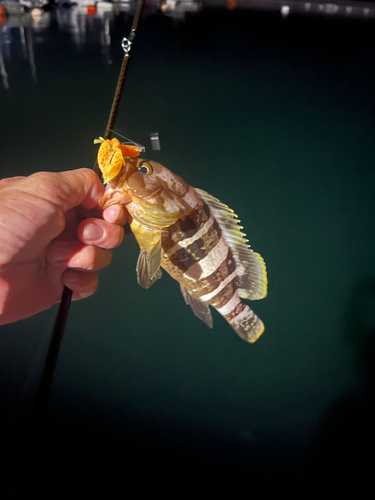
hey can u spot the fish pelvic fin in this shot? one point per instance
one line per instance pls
(145, 277)
(148, 264)
(146, 273)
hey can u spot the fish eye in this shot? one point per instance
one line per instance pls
(145, 168)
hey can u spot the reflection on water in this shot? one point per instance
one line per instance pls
(27, 30)
(16, 38)
(84, 22)
(4, 47)
(87, 21)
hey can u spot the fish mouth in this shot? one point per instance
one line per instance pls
(114, 198)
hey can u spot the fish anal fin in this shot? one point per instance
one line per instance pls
(185, 294)
(201, 310)
(250, 266)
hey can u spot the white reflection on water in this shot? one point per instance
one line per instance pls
(34, 27)
(3, 72)
(18, 31)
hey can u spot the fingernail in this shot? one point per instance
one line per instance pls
(112, 213)
(93, 232)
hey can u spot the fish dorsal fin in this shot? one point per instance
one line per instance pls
(250, 268)
(200, 309)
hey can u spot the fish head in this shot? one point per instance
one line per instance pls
(153, 195)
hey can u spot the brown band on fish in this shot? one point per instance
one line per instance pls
(186, 227)
(194, 272)
(213, 281)
(184, 257)
(212, 237)
(239, 308)
(208, 264)
(224, 295)
(210, 297)
(210, 230)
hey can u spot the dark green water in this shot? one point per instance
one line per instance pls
(276, 119)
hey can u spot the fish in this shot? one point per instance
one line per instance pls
(190, 234)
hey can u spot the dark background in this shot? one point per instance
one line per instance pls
(273, 116)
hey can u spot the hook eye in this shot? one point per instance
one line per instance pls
(126, 45)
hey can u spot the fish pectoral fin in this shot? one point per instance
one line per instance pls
(201, 310)
(148, 266)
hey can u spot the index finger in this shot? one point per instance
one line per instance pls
(67, 189)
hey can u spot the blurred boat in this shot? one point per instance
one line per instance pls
(101, 6)
(34, 4)
(12, 7)
(18, 7)
(178, 8)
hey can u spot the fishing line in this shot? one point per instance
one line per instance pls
(129, 141)
(62, 314)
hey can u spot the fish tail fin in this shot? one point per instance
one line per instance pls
(246, 323)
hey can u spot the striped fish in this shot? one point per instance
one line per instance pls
(193, 236)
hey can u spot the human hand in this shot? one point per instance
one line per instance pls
(50, 236)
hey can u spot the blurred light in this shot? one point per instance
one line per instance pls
(331, 8)
(285, 9)
(36, 13)
(91, 10)
(231, 4)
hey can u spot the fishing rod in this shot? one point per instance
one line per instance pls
(62, 314)
(66, 298)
